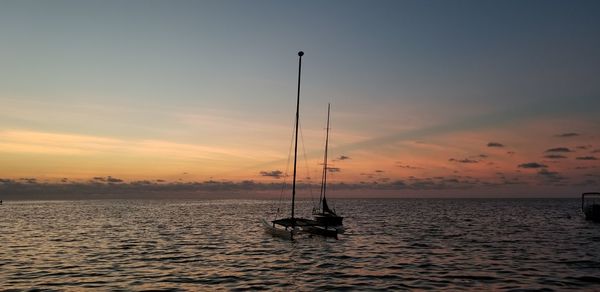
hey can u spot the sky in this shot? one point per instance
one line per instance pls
(428, 97)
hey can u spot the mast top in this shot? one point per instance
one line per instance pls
(301, 53)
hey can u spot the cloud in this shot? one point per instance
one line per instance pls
(566, 135)
(511, 153)
(466, 160)
(398, 184)
(559, 149)
(29, 180)
(495, 144)
(333, 169)
(273, 173)
(141, 182)
(7, 181)
(379, 171)
(483, 156)
(343, 157)
(111, 179)
(17, 189)
(587, 158)
(555, 156)
(532, 165)
(596, 151)
(586, 167)
(399, 164)
(584, 147)
(73, 144)
(434, 183)
(550, 176)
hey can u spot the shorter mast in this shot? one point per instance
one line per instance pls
(324, 177)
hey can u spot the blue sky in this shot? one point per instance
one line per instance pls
(219, 76)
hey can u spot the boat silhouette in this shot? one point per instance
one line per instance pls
(590, 205)
(290, 226)
(323, 214)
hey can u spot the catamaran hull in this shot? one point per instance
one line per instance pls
(321, 231)
(279, 232)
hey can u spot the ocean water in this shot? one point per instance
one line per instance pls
(404, 244)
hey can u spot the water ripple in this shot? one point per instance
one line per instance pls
(511, 245)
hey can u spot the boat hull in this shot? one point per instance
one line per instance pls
(329, 220)
(278, 232)
(317, 230)
(283, 228)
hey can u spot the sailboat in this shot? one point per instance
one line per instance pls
(323, 214)
(289, 227)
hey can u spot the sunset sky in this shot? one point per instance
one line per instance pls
(494, 97)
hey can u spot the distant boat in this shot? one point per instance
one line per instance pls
(590, 205)
(323, 214)
(289, 227)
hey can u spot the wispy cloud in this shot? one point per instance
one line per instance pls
(495, 144)
(22, 141)
(586, 167)
(550, 176)
(343, 157)
(465, 160)
(273, 173)
(548, 107)
(406, 166)
(587, 158)
(567, 135)
(532, 165)
(29, 180)
(111, 179)
(559, 149)
(555, 156)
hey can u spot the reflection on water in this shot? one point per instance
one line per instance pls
(388, 245)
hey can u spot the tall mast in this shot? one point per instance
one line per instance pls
(300, 54)
(324, 178)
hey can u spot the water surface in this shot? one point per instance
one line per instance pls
(404, 244)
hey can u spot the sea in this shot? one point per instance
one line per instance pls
(213, 245)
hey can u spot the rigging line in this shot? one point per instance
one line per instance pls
(321, 190)
(332, 188)
(285, 174)
(306, 165)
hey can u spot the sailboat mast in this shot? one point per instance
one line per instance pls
(324, 179)
(300, 54)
